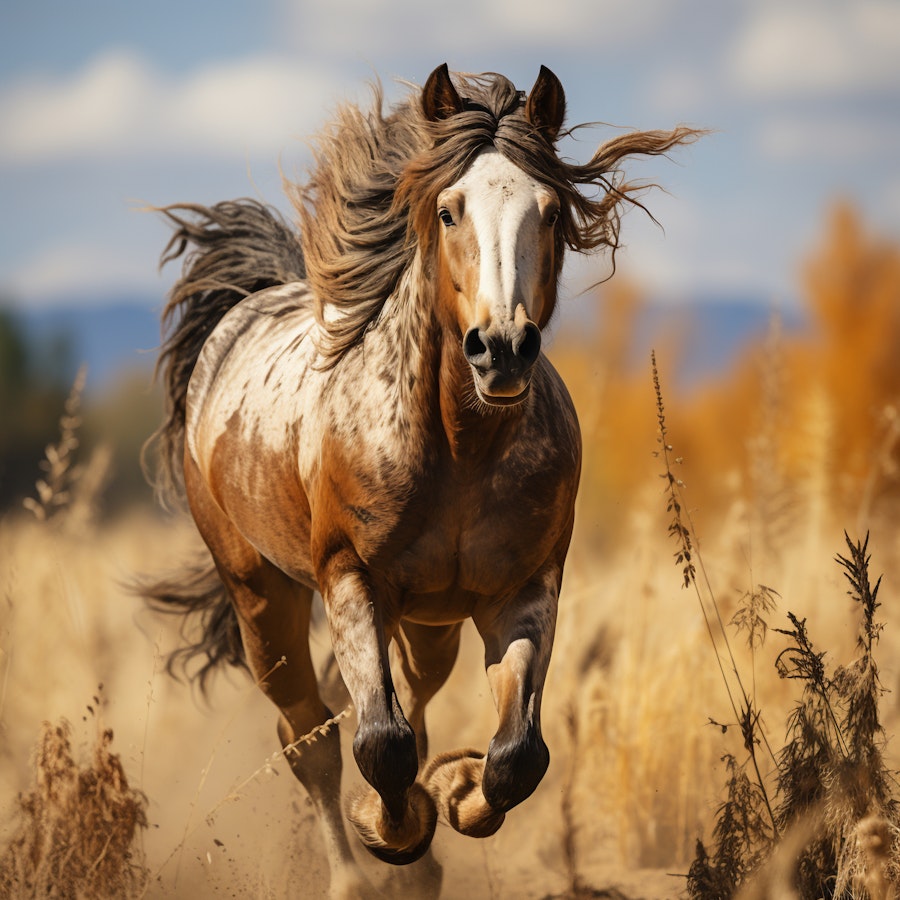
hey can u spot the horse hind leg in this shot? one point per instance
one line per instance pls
(422, 657)
(281, 633)
(274, 617)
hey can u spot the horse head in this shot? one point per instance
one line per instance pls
(499, 252)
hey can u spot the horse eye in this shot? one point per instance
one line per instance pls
(553, 218)
(445, 217)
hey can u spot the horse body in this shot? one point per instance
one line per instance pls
(440, 508)
(416, 464)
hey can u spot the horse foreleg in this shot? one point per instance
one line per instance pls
(422, 657)
(473, 792)
(396, 819)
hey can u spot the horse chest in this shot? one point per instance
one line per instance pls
(465, 540)
(476, 557)
(437, 529)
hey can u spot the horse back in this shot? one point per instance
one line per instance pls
(245, 404)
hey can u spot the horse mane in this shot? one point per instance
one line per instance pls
(368, 205)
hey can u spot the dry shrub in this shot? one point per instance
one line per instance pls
(78, 827)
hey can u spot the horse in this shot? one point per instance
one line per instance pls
(360, 406)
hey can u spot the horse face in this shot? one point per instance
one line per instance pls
(498, 263)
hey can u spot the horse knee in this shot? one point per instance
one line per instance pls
(385, 751)
(514, 768)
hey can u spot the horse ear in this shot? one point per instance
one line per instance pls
(440, 99)
(546, 104)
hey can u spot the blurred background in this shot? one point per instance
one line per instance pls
(769, 289)
(108, 108)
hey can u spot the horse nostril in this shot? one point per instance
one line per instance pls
(529, 347)
(475, 349)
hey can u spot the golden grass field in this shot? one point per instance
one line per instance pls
(798, 442)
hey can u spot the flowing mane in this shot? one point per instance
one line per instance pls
(367, 207)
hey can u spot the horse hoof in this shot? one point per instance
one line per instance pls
(400, 844)
(454, 782)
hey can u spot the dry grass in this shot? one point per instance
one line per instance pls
(68, 486)
(665, 714)
(829, 779)
(60, 472)
(78, 828)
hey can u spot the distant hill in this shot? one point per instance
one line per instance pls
(111, 339)
(125, 335)
(711, 334)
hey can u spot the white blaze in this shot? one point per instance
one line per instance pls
(505, 206)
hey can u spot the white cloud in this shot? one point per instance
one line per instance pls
(576, 22)
(680, 90)
(348, 27)
(94, 109)
(118, 106)
(818, 47)
(839, 138)
(87, 270)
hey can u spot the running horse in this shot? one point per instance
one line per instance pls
(361, 407)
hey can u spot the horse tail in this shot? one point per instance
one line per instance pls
(209, 627)
(236, 248)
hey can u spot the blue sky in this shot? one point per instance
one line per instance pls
(108, 106)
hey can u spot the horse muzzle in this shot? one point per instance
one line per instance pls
(502, 362)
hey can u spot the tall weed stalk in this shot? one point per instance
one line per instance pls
(688, 558)
(68, 491)
(829, 782)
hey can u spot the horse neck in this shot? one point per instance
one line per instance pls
(433, 381)
(407, 331)
(472, 430)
